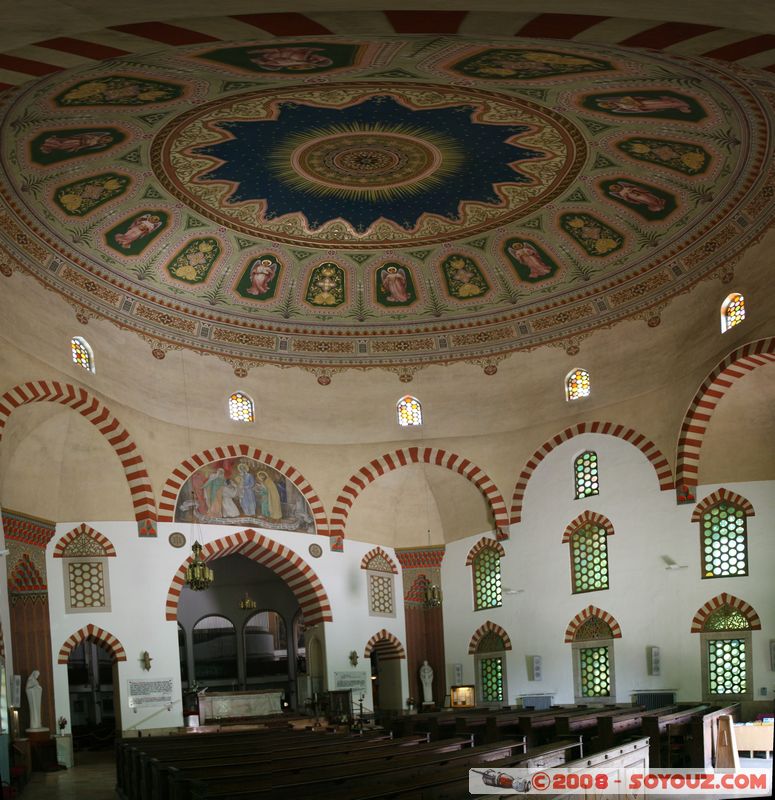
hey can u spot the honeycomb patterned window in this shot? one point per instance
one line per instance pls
(724, 542)
(585, 473)
(381, 601)
(732, 311)
(409, 411)
(491, 676)
(595, 672)
(487, 579)
(241, 407)
(589, 559)
(86, 586)
(577, 384)
(82, 353)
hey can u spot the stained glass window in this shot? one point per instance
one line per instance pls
(724, 542)
(487, 579)
(409, 411)
(732, 311)
(585, 467)
(589, 558)
(491, 674)
(241, 407)
(577, 384)
(595, 672)
(82, 353)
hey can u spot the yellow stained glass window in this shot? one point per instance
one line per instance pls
(732, 311)
(577, 384)
(82, 354)
(241, 407)
(409, 411)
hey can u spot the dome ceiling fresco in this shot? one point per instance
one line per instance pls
(339, 202)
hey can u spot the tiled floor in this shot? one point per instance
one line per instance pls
(92, 778)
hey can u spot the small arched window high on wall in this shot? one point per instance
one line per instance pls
(241, 407)
(585, 474)
(409, 411)
(577, 384)
(732, 311)
(723, 534)
(589, 558)
(485, 562)
(82, 353)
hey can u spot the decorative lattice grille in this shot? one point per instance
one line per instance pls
(86, 585)
(589, 559)
(595, 671)
(577, 384)
(724, 550)
(487, 579)
(726, 619)
(593, 628)
(491, 670)
(409, 411)
(727, 666)
(586, 475)
(732, 312)
(241, 407)
(381, 594)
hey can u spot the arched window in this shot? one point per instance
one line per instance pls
(82, 353)
(732, 311)
(724, 541)
(380, 583)
(490, 662)
(593, 661)
(266, 645)
(577, 384)
(215, 650)
(409, 411)
(486, 567)
(727, 656)
(589, 558)
(241, 407)
(585, 474)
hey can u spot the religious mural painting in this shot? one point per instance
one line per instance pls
(131, 236)
(81, 197)
(648, 201)
(594, 236)
(192, 264)
(509, 63)
(60, 144)
(688, 158)
(118, 90)
(463, 277)
(243, 491)
(660, 103)
(531, 261)
(326, 286)
(307, 58)
(258, 280)
(394, 284)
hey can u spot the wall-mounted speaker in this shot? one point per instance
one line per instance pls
(534, 668)
(653, 661)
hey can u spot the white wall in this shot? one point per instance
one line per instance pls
(653, 606)
(140, 577)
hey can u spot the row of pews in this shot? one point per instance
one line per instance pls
(423, 757)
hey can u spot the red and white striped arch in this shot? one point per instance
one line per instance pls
(388, 462)
(99, 538)
(378, 552)
(386, 644)
(100, 416)
(483, 630)
(297, 574)
(725, 374)
(746, 609)
(483, 544)
(646, 446)
(583, 616)
(91, 633)
(716, 497)
(588, 516)
(187, 467)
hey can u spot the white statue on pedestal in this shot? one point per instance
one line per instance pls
(426, 678)
(34, 693)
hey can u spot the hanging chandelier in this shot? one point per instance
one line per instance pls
(247, 603)
(198, 575)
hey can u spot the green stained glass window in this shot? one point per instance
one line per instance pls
(491, 670)
(724, 542)
(589, 558)
(586, 478)
(595, 670)
(727, 666)
(487, 579)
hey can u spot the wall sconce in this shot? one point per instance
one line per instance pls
(354, 658)
(146, 659)
(432, 596)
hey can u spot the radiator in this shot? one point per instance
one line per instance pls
(653, 698)
(537, 701)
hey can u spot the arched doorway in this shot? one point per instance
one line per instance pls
(385, 652)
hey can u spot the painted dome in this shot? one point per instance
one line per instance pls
(385, 201)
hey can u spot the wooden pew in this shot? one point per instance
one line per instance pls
(610, 729)
(656, 728)
(704, 735)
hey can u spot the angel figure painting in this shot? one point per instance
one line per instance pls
(243, 491)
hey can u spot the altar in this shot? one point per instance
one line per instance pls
(221, 706)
